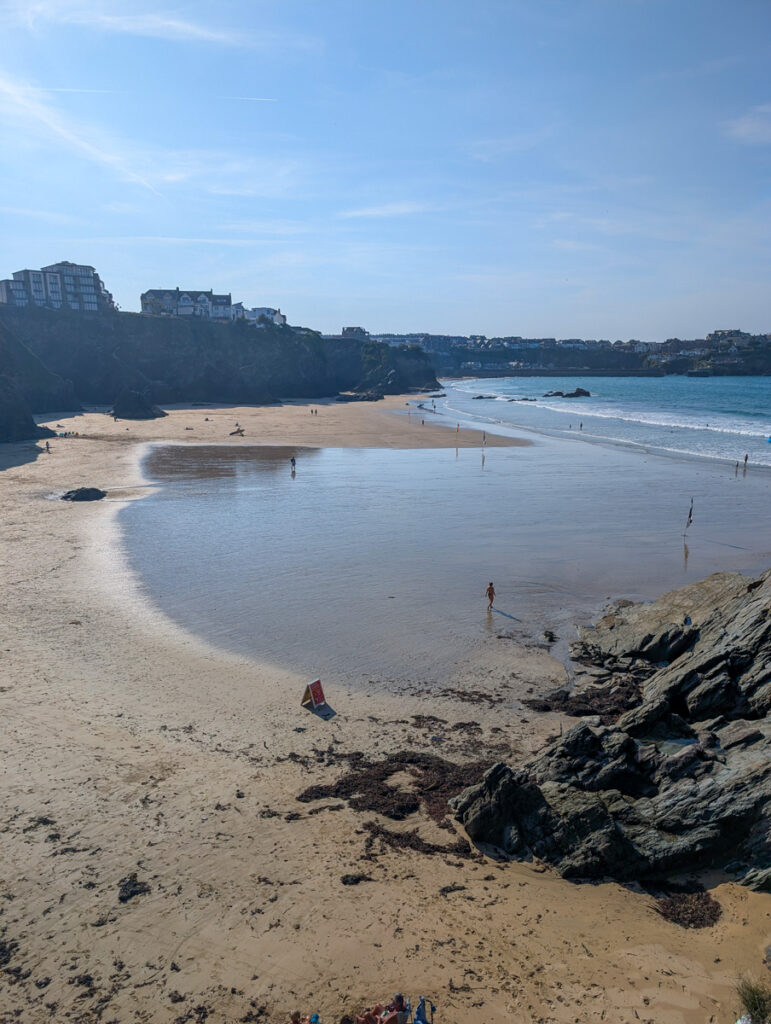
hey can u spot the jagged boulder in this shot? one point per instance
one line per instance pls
(133, 405)
(682, 780)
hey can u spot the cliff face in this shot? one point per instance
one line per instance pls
(174, 360)
(42, 390)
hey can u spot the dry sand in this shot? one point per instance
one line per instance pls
(130, 747)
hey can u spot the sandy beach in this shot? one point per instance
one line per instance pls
(157, 864)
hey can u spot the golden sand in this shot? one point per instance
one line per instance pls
(125, 743)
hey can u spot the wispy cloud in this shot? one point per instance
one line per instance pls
(47, 215)
(30, 107)
(270, 227)
(489, 149)
(223, 173)
(97, 92)
(398, 209)
(34, 114)
(573, 245)
(752, 127)
(106, 16)
(237, 243)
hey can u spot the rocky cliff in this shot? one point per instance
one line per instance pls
(35, 384)
(678, 777)
(16, 421)
(169, 359)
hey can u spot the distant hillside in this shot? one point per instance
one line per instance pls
(174, 360)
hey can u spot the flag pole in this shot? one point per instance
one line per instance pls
(689, 519)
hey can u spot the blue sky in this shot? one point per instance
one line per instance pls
(593, 168)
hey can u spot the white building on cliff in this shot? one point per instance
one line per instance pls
(68, 286)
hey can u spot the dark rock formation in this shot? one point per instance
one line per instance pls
(682, 779)
(84, 494)
(16, 422)
(133, 405)
(25, 384)
(359, 396)
(578, 393)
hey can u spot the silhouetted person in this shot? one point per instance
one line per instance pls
(490, 592)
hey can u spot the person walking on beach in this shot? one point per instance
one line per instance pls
(292, 463)
(490, 592)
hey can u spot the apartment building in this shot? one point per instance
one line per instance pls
(65, 285)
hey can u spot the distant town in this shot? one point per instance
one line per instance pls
(78, 288)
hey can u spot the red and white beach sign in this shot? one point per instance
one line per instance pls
(314, 694)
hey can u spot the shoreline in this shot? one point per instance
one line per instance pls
(135, 740)
(564, 433)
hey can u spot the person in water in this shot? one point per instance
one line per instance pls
(490, 595)
(292, 462)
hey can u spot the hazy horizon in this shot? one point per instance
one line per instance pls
(545, 169)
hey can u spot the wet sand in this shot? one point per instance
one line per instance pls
(129, 746)
(320, 569)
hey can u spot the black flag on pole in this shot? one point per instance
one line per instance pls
(689, 520)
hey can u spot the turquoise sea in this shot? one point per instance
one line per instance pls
(717, 417)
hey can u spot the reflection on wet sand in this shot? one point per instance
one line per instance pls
(213, 462)
(370, 563)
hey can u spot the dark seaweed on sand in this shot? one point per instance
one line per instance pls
(690, 909)
(366, 784)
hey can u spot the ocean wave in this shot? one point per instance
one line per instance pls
(749, 423)
(678, 432)
(658, 418)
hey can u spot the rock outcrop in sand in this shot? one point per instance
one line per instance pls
(16, 420)
(134, 405)
(682, 779)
